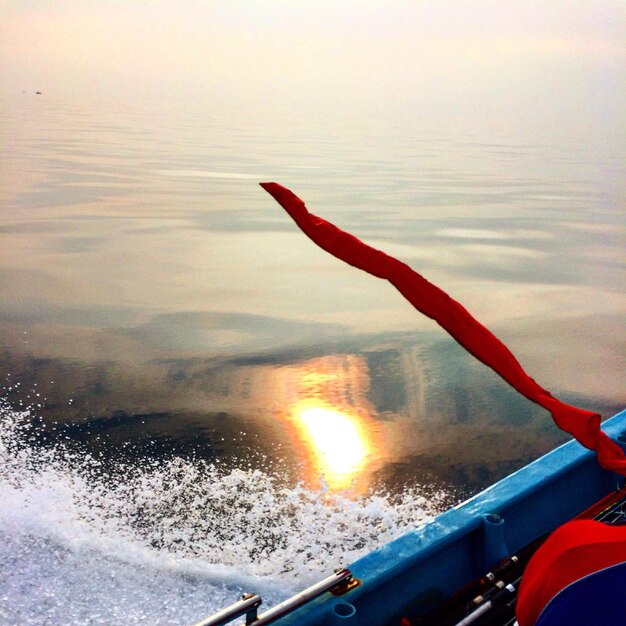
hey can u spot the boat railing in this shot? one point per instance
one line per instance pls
(338, 583)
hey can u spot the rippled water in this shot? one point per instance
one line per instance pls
(162, 320)
(165, 542)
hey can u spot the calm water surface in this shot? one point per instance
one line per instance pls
(163, 318)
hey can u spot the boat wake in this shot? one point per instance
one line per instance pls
(165, 542)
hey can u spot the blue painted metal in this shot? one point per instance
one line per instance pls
(423, 567)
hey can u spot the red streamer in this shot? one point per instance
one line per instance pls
(455, 319)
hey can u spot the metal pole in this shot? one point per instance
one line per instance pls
(342, 575)
(248, 604)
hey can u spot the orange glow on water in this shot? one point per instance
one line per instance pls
(336, 440)
(330, 422)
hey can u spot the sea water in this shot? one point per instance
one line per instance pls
(166, 542)
(177, 359)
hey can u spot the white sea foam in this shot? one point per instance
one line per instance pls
(165, 542)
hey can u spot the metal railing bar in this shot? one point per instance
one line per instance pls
(248, 605)
(303, 597)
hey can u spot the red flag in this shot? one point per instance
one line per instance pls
(455, 319)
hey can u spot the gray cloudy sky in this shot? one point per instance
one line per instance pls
(549, 58)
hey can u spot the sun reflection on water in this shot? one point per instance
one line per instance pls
(337, 440)
(331, 423)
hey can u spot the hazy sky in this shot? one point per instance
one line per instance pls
(431, 54)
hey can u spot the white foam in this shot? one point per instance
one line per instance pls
(165, 542)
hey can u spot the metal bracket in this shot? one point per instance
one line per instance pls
(345, 585)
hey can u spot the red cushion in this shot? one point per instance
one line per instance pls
(573, 551)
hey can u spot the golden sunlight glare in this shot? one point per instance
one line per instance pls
(335, 439)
